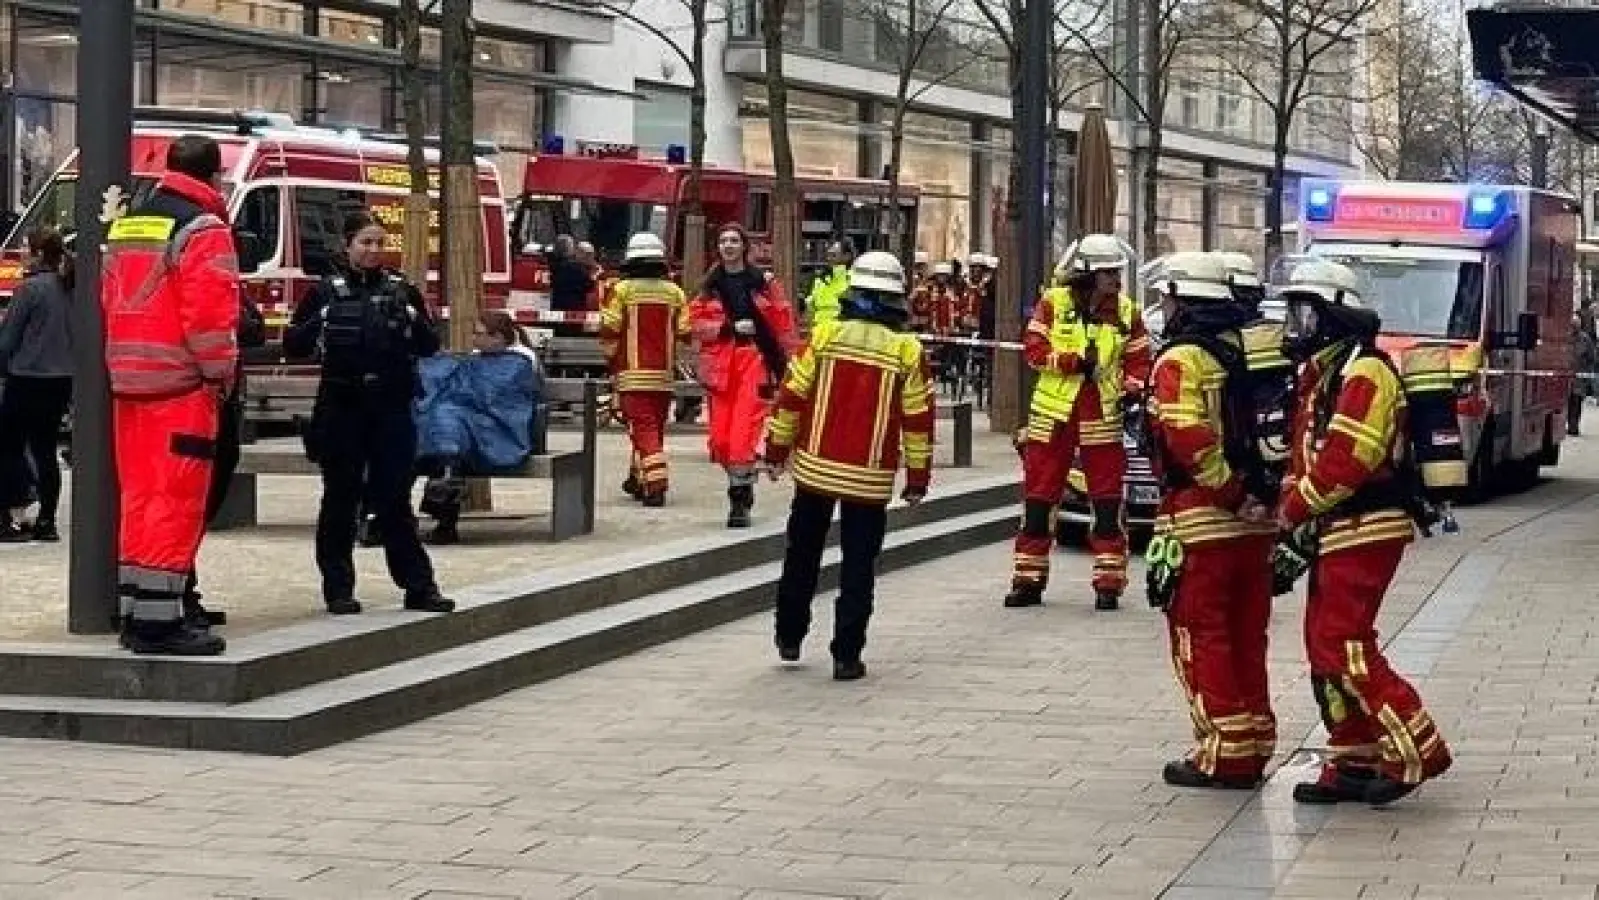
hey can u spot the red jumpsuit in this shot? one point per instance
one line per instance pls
(1347, 432)
(1219, 617)
(641, 325)
(171, 302)
(739, 384)
(1071, 412)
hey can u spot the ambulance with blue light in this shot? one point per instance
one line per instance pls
(1487, 271)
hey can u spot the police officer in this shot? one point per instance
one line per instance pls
(866, 379)
(370, 327)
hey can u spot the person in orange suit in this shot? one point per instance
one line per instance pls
(745, 329)
(1213, 507)
(1344, 507)
(1087, 343)
(644, 319)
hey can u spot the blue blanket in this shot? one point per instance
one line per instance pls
(476, 412)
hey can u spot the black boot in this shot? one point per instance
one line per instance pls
(1023, 594)
(171, 639)
(1107, 600)
(344, 606)
(1183, 773)
(44, 531)
(632, 488)
(740, 500)
(444, 535)
(198, 616)
(655, 500)
(848, 670)
(428, 600)
(371, 534)
(1337, 784)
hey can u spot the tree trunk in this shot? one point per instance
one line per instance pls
(1151, 176)
(463, 216)
(693, 248)
(905, 246)
(413, 97)
(1274, 197)
(1005, 413)
(1052, 180)
(785, 211)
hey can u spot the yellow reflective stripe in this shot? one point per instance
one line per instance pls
(1361, 433)
(141, 228)
(841, 479)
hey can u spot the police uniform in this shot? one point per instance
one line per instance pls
(370, 328)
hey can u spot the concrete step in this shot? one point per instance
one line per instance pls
(364, 702)
(326, 648)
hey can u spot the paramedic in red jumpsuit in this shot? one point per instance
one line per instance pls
(746, 330)
(171, 301)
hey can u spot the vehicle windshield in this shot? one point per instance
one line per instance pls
(1425, 297)
(53, 208)
(607, 224)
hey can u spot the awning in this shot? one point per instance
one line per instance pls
(1546, 57)
(191, 30)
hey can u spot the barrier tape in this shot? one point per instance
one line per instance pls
(589, 320)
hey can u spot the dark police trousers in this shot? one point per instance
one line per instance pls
(861, 527)
(368, 446)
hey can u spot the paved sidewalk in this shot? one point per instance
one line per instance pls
(991, 754)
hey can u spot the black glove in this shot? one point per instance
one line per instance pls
(1291, 558)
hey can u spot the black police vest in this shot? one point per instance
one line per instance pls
(366, 334)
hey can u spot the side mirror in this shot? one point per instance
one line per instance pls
(1527, 335)
(247, 244)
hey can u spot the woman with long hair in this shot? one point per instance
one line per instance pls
(745, 329)
(36, 359)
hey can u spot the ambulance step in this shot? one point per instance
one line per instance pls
(366, 702)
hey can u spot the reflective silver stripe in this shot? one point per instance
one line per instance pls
(125, 605)
(144, 578)
(210, 341)
(189, 230)
(216, 369)
(154, 383)
(164, 609)
(148, 350)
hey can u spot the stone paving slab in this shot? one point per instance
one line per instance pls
(992, 753)
(266, 577)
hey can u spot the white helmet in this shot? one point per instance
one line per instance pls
(1190, 275)
(993, 261)
(943, 268)
(645, 245)
(1333, 282)
(877, 271)
(1241, 267)
(1093, 253)
(922, 257)
(975, 259)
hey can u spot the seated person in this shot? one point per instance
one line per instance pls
(475, 417)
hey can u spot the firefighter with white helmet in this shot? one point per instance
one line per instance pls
(643, 321)
(1343, 511)
(855, 406)
(1210, 561)
(1087, 342)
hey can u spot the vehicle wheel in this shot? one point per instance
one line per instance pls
(1480, 481)
(1071, 534)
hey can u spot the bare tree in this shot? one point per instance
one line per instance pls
(690, 49)
(1290, 54)
(413, 99)
(785, 202)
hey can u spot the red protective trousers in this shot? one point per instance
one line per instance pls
(1373, 716)
(164, 450)
(1218, 622)
(1045, 467)
(645, 413)
(738, 410)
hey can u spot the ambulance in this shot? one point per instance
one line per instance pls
(1487, 271)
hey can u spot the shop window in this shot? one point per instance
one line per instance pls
(759, 219)
(320, 214)
(261, 215)
(660, 118)
(830, 25)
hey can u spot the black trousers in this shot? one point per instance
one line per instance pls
(368, 448)
(1574, 402)
(31, 410)
(861, 528)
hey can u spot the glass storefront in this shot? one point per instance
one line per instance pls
(936, 156)
(1239, 211)
(823, 130)
(1180, 197)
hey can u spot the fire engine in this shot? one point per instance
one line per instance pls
(288, 189)
(1486, 270)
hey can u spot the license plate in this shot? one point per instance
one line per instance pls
(1145, 493)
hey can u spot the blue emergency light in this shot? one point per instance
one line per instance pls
(1485, 210)
(1319, 204)
(554, 145)
(676, 154)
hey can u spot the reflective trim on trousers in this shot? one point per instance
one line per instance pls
(141, 578)
(157, 609)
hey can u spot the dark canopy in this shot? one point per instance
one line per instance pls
(1546, 57)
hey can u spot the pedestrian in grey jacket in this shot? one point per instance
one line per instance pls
(36, 359)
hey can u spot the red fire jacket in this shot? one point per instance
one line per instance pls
(641, 325)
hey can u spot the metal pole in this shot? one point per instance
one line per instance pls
(1033, 119)
(105, 126)
(1540, 155)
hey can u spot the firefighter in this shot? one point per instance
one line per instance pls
(745, 330)
(919, 269)
(1215, 533)
(924, 303)
(1088, 344)
(644, 320)
(856, 402)
(171, 298)
(1342, 507)
(829, 286)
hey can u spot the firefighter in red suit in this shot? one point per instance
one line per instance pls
(1213, 508)
(1344, 508)
(1087, 342)
(856, 403)
(171, 301)
(644, 319)
(745, 330)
